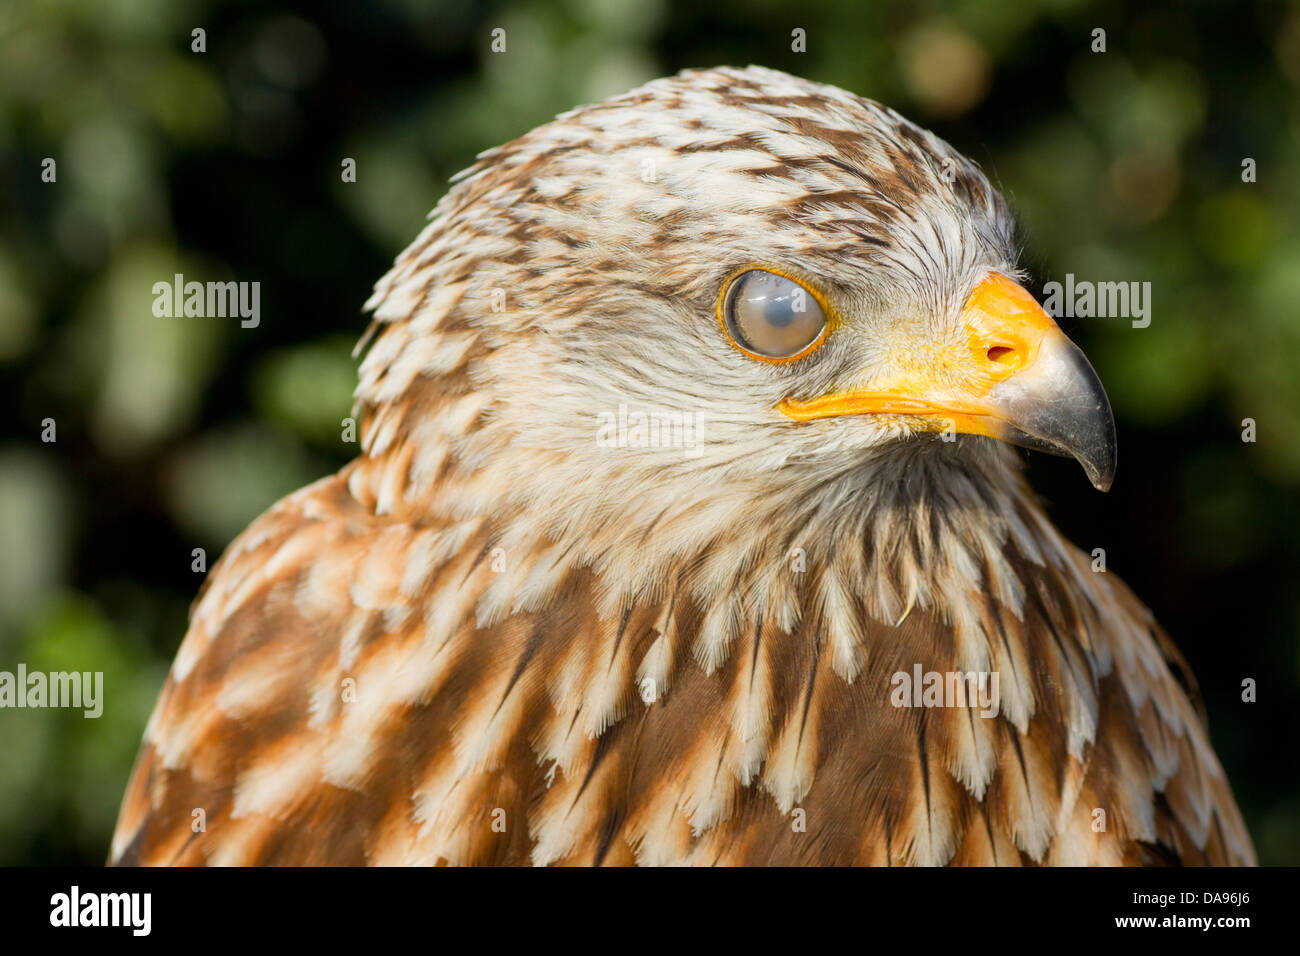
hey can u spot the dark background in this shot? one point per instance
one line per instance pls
(173, 433)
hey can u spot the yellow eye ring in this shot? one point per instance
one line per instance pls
(725, 308)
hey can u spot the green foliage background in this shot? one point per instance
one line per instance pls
(172, 434)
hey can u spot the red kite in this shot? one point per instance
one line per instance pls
(687, 528)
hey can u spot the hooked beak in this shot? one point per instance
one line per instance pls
(1016, 378)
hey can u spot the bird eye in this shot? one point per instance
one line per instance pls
(771, 316)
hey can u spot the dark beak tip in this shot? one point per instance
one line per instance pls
(1098, 456)
(1062, 408)
(1101, 482)
(1101, 469)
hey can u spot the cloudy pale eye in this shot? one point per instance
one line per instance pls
(772, 316)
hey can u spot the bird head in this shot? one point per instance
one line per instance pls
(730, 293)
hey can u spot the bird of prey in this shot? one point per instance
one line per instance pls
(687, 529)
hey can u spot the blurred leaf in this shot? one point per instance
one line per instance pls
(220, 483)
(308, 389)
(36, 516)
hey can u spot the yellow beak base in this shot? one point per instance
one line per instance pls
(1019, 379)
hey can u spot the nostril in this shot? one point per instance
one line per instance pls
(1002, 354)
